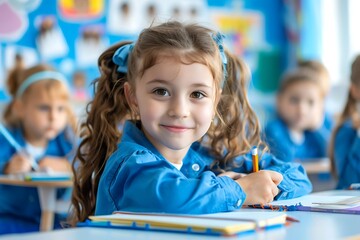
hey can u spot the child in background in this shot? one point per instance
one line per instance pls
(298, 132)
(322, 75)
(345, 143)
(180, 92)
(40, 120)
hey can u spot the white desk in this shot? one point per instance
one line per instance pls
(314, 166)
(312, 225)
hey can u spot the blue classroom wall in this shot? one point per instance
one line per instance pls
(270, 61)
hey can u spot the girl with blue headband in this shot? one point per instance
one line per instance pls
(38, 133)
(188, 129)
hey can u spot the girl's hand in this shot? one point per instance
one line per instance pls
(56, 164)
(232, 175)
(260, 187)
(19, 163)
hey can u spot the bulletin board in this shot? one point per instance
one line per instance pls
(71, 34)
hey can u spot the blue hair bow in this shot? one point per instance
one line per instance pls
(121, 56)
(218, 38)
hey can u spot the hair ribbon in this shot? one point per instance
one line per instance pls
(218, 38)
(121, 56)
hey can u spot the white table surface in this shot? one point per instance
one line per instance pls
(312, 225)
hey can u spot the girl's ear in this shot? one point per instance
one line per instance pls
(130, 97)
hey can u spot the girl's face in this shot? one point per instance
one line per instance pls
(355, 91)
(44, 115)
(299, 103)
(176, 103)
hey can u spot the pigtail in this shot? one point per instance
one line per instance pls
(237, 128)
(13, 81)
(347, 112)
(101, 135)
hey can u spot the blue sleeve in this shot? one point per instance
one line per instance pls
(321, 139)
(6, 152)
(295, 181)
(145, 183)
(347, 156)
(276, 137)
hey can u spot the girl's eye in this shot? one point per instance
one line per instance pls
(311, 102)
(198, 95)
(294, 100)
(161, 92)
(44, 108)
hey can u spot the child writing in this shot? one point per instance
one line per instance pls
(40, 121)
(345, 143)
(180, 91)
(298, 131)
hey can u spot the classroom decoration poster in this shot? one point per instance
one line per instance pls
(62, 32)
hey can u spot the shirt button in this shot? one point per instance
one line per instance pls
(238, 203)
(195, 167)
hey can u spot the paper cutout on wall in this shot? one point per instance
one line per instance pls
(244, 31)
(80, 88)
(14, 22)
(27, 5)
(90, 45)
(50, 40)
(122, 17)
(2, 81)
(187, 10)
(81, 10)
(29, 56)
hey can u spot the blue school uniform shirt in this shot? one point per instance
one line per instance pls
(347, 155)
(314, 144)
(22, 203)
(138, 178)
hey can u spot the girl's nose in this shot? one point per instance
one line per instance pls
(302, 108)
(179, 108)
(52, 114)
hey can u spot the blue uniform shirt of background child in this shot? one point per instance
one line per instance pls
(301, 129)
(19, 206)
(283, 145)
(347, 155)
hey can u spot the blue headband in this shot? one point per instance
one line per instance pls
(121, 56)
(218, 38)
(38, 77)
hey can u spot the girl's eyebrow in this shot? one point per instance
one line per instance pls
(157, 81)
(167, 83)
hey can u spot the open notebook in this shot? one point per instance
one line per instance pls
(224, 224)
(333, 204)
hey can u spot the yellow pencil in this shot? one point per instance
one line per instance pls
(255, 159)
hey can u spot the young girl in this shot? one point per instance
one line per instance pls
(345, 144)
(180, 91)
(298, 132)
(41, 122)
